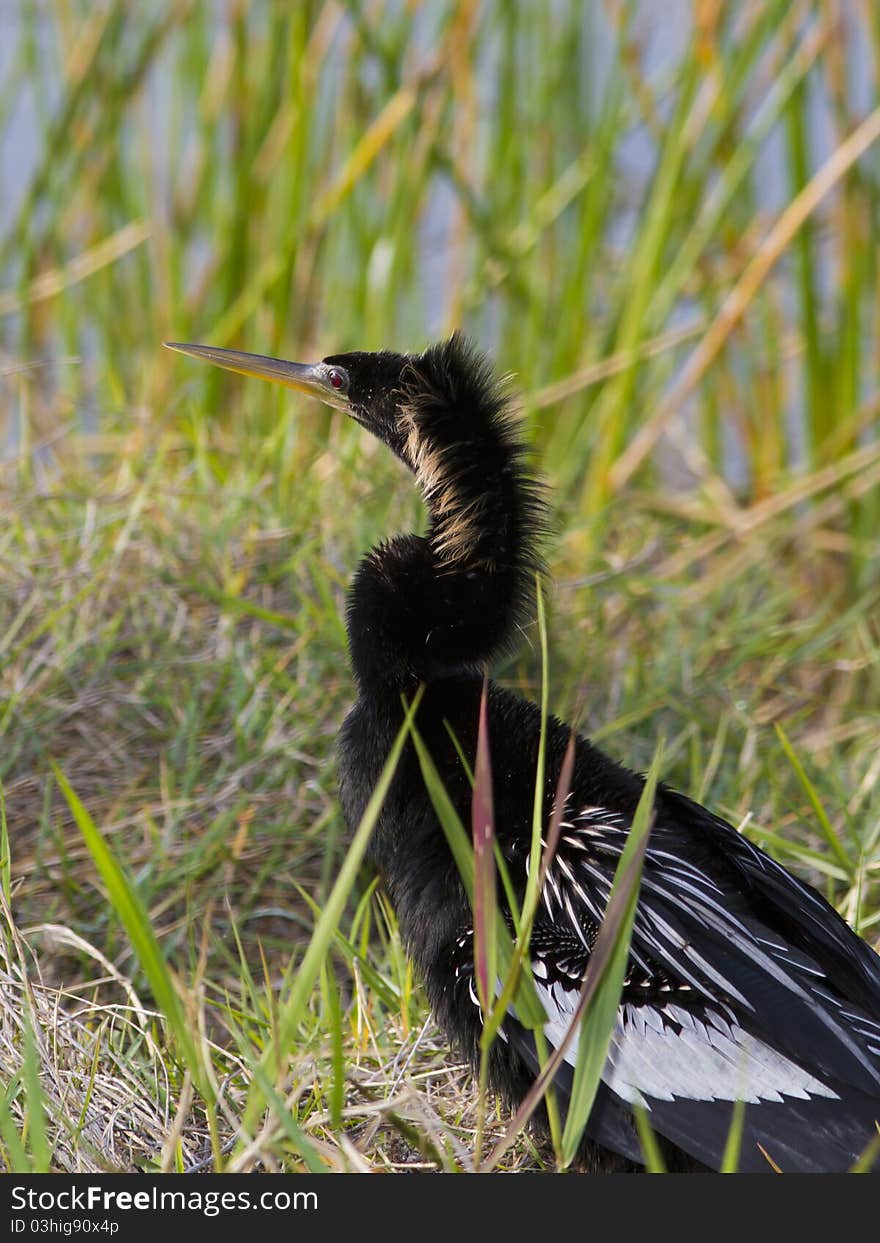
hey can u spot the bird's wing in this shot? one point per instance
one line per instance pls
(720, 1004)
(795, 908)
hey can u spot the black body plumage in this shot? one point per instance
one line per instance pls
(742, 981)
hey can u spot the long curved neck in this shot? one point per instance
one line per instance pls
(426, 607)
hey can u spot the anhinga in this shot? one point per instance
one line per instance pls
(743, 982)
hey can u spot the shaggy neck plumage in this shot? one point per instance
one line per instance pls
(426, 607)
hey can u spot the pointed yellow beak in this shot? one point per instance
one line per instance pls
(311, 378)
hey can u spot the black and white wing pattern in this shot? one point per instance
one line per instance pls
(742, 985)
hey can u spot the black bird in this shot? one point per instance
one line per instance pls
(743, 982)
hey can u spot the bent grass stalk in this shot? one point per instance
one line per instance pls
(309, 969)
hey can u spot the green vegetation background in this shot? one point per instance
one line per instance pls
(668, 233)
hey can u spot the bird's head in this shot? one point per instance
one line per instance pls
(368, 387)
(427, 606)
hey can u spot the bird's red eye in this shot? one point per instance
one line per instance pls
(336, 378)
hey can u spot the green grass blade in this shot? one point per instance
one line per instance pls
(515, 982)
(298, 1139)
(733, 1146)
(825, 824)
(597, 1022)
(532, 895)
(867, 1161)
(653, 1157)
(324, 933)
(41, 1153)
(17, 1159)
(603, 982)
(130, 911)
(5, 853)
(485, 896)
